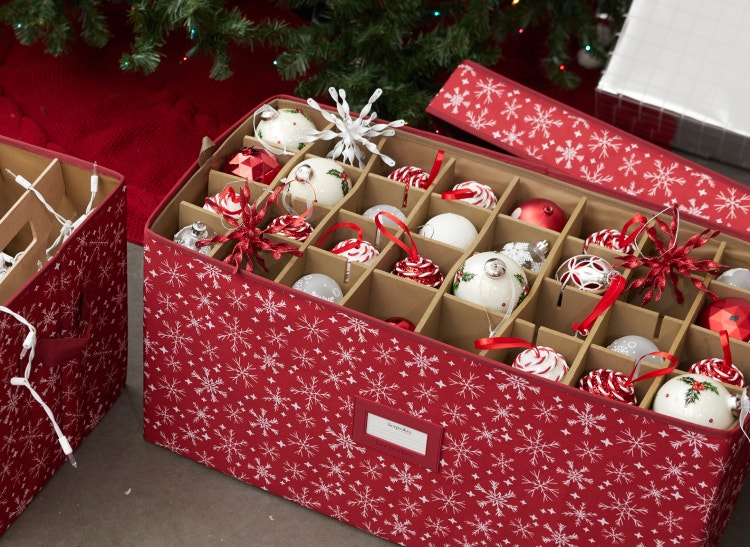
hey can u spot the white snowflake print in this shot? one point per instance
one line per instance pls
(654, 493)
(212, 273)
(536, 449)
(524, 529)
(511, 109)
(678, 472)
(243, 373)
(542, 120)
(618, 472)
(384, 353)
(365, 501)
(693, 208)
(636, 444)
(663, 178)
(269, 308)
(575, 475)
(731, 204)
(377, 387)
(519, 384)
(469, 386)
(269, 359)
(313, 394)
(488, 90)
(450, 502)
(235, 335)
(624, 508)
(603, 143)
(455, 100)
(569, 153)
(173, 275)
(480, 120)
(671, 521)
(692, 439)
(704, 502)
(497, 501)
(231, 447)
(632, 190)
(405, 478)
(303, 444)
(360, 327)
(237, 300)
(347, 355)
(629, 165)
(582, 516)
(557, 536)
(262, 421)
(209, 386)
(421, 361)
(587, 419)
(312, 329)
(540, 483)
(512, 136)
(460, 447)
(597, 175)
(180, 341)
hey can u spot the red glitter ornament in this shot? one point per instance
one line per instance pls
(609, 383)
(253, 163)
(542, 212)
(730, 314)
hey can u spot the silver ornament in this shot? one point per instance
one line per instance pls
(191, 234)
(530, 256)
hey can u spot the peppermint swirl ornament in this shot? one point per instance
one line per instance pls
(542, 361)
(717, 369)
(291, 227)
(609, 383)
(353, 249)
(226, 203)
(609, 239)
(474, 193)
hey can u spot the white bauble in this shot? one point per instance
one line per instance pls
(373, 211)
(737, 277)
(284, 129)
(320, 286)
(697, 399)
(319, 180)
(451, 229)
(636, 347)
(492, 280)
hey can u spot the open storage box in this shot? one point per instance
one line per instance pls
(418, 437)
(73, 294)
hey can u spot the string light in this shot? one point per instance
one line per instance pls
(562, 67)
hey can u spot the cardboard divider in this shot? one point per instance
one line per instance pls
(624, 319)
(434, 205)
(368, 227)
(407, 151)
(527, 189)
(376, 190)
(484, 173)
(319, 261)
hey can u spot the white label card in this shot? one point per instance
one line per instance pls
(396, 433)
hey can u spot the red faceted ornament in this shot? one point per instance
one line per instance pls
(730, 314)
(542, 212)
(401, 322)
(252, 163)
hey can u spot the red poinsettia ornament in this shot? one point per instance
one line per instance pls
(250, 237)
(669, 260)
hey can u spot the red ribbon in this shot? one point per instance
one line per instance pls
(461, 193)
(670, 261)
(502, 343)
(250, 238)
(352, 244)
(653, 373)
(411, 250)
(616, 286)
(431, 177)
(724, 336)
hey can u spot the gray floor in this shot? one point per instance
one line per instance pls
(129, 492)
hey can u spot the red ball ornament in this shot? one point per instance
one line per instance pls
(542, 212)
(252, 163)
(401, 322)
(730, 314)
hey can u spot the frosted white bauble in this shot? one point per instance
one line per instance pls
(373, 211)
(737, 277)
(318, 179)
(451, 229)
(636, 347)
(284, 129)
(697, 399)
(320, 286)
(492, 280)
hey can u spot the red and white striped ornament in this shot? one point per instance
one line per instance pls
(542, 361)
(611, 239)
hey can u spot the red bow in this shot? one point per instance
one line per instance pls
(669, 261)
(250, 238)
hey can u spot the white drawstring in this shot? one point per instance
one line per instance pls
(29, 347)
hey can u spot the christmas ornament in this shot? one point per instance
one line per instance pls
(637, 347)
(320, 286)
(586, 272)
(530, 256)
(401, 322)
(730, 314)
(189, 236)
(253, 163)
(669, 260)
(353, 249)
(282, 132)
(451, 229)
(736, 277)
(610, 239)
(491, 280)
(541, 212)
(617, 386)
(472, 192)
(416, 177)
(226, 203)
(250, 239)
(697, 399)
(318, 180)
(372, 212)
(721, 369)
(414, 267)
(294, 227)
(542, 361)
(353, 132)
(7, 261)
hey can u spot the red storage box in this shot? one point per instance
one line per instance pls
(419, 437)
(73, 295)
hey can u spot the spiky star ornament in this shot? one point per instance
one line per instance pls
(353, 133)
